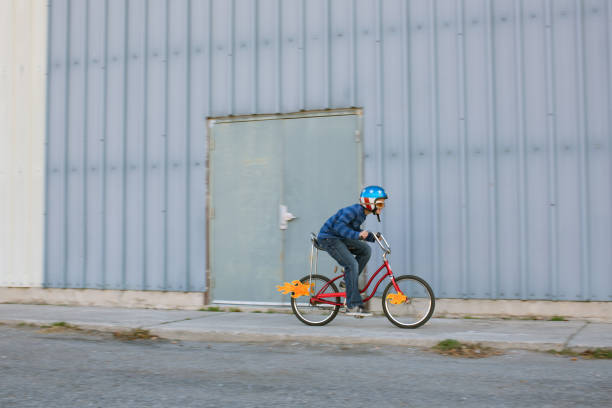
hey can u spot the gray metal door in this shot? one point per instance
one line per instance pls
(307, 165)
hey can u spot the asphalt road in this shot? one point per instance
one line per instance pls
(74, 369)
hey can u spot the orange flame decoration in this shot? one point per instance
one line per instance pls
(298, 288)
(396, 298)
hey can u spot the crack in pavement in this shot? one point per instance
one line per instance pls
(571, 337)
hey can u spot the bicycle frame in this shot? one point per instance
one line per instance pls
(323, 297)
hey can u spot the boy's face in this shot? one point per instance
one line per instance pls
(380, 204)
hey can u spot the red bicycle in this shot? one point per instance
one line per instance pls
(407, 301)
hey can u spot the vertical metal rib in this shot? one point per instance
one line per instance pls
(145, 146)
(552, 159)
(66, 144)
(254, 54)
(279, 44)
(379, 94)
(124, 166)
(47, 168)
(302, 50)
(230, 58)
(327, 57)
(166, 136)
(492, 151)
(406, 133)
(583, 158)
(463, 158)
(188, 155)
(521, 142)
(104, 136)
(434, 118)
(85, 147)
(609, 72)
(353, 55)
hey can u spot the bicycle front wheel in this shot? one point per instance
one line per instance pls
(315, 313)
(413, 306)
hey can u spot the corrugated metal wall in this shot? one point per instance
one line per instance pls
(22, 135)
(487, 120)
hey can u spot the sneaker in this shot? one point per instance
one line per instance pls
(357, 311)
(342, 285)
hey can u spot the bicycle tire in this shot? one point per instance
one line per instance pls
(314, 315)
(417, 309)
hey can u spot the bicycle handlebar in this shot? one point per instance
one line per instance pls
(385, 247)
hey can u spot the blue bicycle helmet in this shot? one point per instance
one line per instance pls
(369, 195)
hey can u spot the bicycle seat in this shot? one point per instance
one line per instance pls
(315, 242)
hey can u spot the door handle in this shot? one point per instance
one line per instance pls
(285, 217)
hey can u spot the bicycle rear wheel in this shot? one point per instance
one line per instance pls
(317, 313)
(414, 308)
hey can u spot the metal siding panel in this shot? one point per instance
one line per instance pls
(220, 57)
(200, 108)
(449, 283)
(536, 77)
(567, 149)
(340, 53)
(486, 119)
(154, 235)
(135, 158)
(177, 147)
(290, 57)
(506, 152)
(56, 159)
(75, 148)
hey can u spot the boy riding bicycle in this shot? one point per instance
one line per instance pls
(342, 237)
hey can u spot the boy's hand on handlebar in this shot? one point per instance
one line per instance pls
(364, 234)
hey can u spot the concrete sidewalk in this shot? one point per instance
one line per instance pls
(576, 335)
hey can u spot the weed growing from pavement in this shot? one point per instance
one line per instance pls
(558, 319)
(596, 354)
(134, 334)
(235, 309)
(210, 309)
(454, 348)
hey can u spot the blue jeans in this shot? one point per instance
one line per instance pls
(342, 250)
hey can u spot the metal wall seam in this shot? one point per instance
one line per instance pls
(254, 53)
(145, 147)
(406, 126)
(46, 166)
(521, 142)
(327, 56)
(463, 156)
(552, 159)
(210, 22)
(166, 128)
(583, 158)
(353, 54)
(187, 154)
(85, 146)
(231, 88)
(104, 137)
(279, 44)
(492, 161)
(66, 142)
(609, 61)
(126, 16)
(435, 133)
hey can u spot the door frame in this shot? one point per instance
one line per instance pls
(210, 143)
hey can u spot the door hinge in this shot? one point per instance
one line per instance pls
(357, 136)
(211, 213)
(211, 144)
